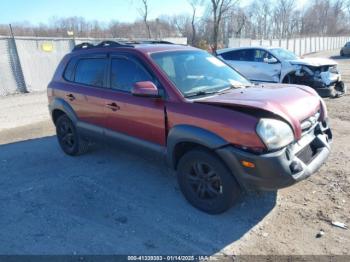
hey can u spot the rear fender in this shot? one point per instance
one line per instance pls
(62, 105)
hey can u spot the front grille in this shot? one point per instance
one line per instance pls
(307, 153)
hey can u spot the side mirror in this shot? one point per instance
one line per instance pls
(145, 89)
(270, 60)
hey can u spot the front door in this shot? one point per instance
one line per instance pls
(139, 117)
(265, 67)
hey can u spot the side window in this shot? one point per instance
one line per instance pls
(247, 55)
(260, 55)
(69, 71)
(232, 55)
(91, 71)
(125, 73)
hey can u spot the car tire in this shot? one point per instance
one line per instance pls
(341, 53)
(288, 79)
(206, 182)
(68, 138)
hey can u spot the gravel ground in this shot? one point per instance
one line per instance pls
(115, 201)
(21, 110)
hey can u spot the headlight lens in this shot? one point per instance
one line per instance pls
(274, 133)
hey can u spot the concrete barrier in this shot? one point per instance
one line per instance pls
(300, 46)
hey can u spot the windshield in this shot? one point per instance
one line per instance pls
(198, 73)
(283, 54)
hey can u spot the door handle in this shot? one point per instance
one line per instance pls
(71, 97)
(113, 106)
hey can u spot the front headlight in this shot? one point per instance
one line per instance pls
(274, 133)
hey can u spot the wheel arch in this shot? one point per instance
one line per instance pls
(183, 138)
(59, 107)
(287, 74)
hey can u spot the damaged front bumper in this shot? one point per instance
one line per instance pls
(337, 89)
(282, 168)
(325, 80)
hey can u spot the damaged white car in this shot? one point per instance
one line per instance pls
(278, 65)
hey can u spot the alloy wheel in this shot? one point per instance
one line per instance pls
(204, 181)
(66, 134)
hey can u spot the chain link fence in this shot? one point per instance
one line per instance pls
(9, 78)
(300, 46)
(27, 64)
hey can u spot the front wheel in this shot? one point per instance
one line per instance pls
(341, 53)
(288, 79)
(206, 182)
(69, 139)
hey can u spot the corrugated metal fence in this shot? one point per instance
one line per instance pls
(28, 64)
(300, 46)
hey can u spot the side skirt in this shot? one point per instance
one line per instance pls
(106, 135)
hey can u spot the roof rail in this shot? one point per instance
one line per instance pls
(156, 42)
(84, 45)
(145, 41)
(112, 44)
(103, 44)
(122, 43)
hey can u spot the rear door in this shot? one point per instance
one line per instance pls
(85, 87)
(139, 117)
(238, 59)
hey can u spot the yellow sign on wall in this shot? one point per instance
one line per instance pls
(47, 47)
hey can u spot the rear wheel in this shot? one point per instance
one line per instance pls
(69, 139)
(206, 182)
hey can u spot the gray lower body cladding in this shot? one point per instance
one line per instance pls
(284, 167)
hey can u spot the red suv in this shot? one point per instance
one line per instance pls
(221, 133)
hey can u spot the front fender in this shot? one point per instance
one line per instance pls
(287, 69)
(191, 134)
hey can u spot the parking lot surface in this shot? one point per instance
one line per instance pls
(114, 200)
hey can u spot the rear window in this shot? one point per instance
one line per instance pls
(91, 71)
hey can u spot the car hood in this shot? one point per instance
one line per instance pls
(293, 103)
(313, 61)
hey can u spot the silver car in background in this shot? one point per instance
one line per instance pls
(345, 51)
(278, 65)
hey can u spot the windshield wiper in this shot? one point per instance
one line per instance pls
(233, 87)
(223, 90)
(200, 93)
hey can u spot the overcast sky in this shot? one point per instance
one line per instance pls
(40, 11)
